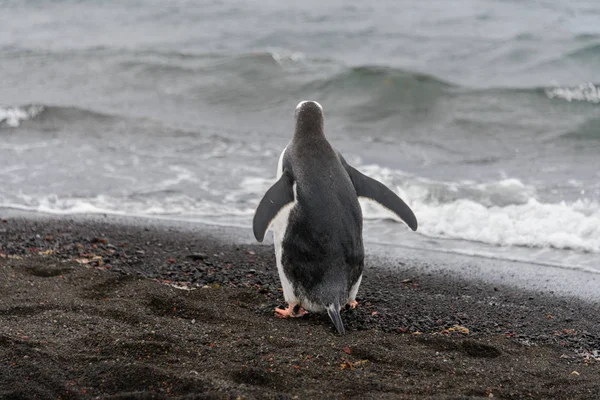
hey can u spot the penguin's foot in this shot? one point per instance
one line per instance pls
(293, 311)
(353, 304)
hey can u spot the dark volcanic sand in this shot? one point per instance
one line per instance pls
(89, 319)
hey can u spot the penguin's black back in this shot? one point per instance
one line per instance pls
(322, 247)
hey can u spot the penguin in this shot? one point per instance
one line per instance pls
(314, 212)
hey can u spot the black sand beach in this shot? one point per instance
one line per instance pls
(90, 310)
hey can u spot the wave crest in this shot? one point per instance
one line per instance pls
(361, 77)
(587, 92)
(13, 116)
(503, 213)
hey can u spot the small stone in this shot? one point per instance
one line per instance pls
(196, 256)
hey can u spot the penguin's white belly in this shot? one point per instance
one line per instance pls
(354, 289)
(279, 226)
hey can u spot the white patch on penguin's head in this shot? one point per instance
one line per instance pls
(309, 118)
(308, 107)
(299, 106)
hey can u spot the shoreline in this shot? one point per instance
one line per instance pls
(542, 278)
(99, 297)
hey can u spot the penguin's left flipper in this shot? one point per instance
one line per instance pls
(277, 197)
(376, 191)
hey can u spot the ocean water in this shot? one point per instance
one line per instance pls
(483, 115)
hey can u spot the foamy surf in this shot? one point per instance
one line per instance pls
(176, 205)
(13, 116)
(584, 92)
(502, 213)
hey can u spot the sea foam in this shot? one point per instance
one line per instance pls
(504, 213)
(13, 116)
(584, 92)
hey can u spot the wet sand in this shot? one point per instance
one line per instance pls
(117, 310)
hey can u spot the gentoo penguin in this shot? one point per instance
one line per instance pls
(316, 219)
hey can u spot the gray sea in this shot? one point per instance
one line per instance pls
(483, 115)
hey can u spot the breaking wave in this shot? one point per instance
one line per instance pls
(503, 213)
(587, 92)
(171, 205)
(14, 116)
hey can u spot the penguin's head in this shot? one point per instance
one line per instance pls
(309, 118)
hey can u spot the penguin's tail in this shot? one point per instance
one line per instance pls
(333, 310)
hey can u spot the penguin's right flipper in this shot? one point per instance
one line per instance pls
(277, 197)
(376, 191)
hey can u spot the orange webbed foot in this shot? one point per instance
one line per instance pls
(293, 311)
(353, 304)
